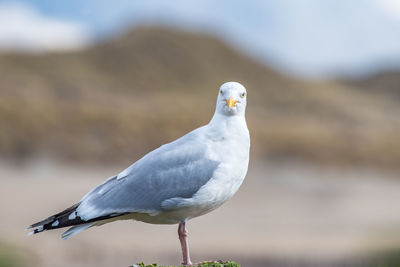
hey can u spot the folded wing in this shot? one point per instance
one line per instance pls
(175, 170)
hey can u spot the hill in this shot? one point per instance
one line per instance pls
(384, 83)
(123, 97)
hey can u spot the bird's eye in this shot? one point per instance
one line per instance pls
(221, 92)
(242, 95)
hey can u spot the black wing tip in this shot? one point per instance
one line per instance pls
(40, 226)
(47, 224)
(36, 231)
(43, 222)
(64, 219)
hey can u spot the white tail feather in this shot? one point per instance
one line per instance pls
(75, 230)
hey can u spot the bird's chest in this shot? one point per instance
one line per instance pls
(233, 156)
(231, 150)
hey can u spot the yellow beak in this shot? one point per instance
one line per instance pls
(230, 103)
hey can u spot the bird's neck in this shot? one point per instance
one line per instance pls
(228, 125)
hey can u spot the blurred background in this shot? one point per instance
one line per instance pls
(88, 87)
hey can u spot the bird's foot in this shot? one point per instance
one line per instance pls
(189, 263)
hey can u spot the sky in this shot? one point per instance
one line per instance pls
(301, 37)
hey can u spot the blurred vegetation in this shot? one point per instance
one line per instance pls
(388, 259)
(381, 259)
(205, 264)
(126, 96)
(382, 82)
(11, 257)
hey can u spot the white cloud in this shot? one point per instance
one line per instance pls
(22, 28)
(390, 7)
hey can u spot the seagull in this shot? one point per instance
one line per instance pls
(174, 183)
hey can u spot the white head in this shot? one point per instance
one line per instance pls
(231, 99)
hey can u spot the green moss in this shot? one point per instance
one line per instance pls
(386, 259)
(9, 257)
(205, 264)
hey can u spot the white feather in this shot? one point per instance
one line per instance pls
(75, 230)
(123, 174)
(72, 216)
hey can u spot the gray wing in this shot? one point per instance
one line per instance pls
(175, 170)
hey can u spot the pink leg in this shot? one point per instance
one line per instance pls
(184, 243)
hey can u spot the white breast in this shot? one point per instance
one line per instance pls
(230, 147)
